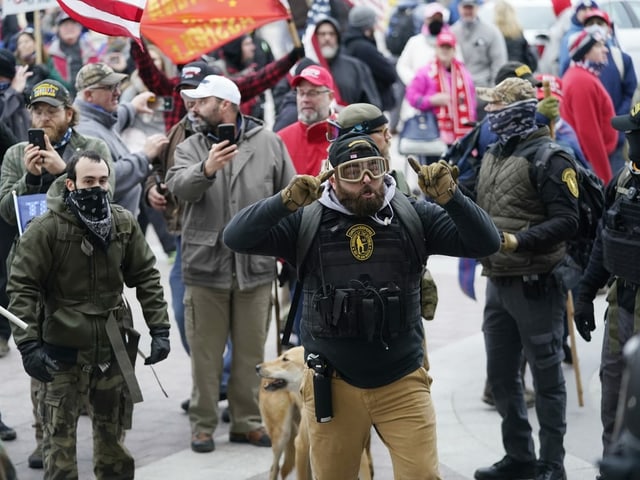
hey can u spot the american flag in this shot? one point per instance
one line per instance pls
(110, 17)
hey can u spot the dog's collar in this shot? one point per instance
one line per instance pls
(276, 384)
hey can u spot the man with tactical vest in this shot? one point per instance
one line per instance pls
(535, 208)
(75, 260)
(360, 251)
(615, 258)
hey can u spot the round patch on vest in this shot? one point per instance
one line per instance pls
(361, 241)
(570, 179)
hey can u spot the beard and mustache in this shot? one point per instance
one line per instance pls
(359, 205)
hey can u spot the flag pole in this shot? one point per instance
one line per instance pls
(293, 31)
(13, 319)
(37, 35)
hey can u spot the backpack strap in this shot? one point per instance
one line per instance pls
(623, 179)
(544, 153)
(410, 219)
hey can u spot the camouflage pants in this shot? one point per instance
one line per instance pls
(111, 411)
(7, 472)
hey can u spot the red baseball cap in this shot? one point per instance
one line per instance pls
(446, 38)
(595, 13)
(316, 75)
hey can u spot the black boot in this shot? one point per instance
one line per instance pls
(507, 469)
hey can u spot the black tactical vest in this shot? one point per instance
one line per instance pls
(362, 279)
(621, 236)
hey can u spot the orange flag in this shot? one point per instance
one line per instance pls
(186, 29)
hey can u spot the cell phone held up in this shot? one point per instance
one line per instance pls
(227, 131)
(36, 137)
(161, 104)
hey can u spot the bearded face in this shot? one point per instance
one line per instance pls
(363, 201)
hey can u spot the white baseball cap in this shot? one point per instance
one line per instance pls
(214, 86)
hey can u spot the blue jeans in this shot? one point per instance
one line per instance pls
(177, 294)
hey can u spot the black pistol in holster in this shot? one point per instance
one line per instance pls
(322, 373)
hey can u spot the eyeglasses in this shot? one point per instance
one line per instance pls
(335, 130)
(45, 111)
(354, 170)
(111, 88)
(312, 94)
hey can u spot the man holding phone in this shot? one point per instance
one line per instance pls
(32, 166)
(226, 294)
(28, 168)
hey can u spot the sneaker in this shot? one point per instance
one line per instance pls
(257, 437)
(7, 433)
(202, 443)
(507, 469)
(35, 459)
(544, 471)
(4, 347)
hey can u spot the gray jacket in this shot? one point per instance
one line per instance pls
(260, 169)
(131, 168)
(483, 49)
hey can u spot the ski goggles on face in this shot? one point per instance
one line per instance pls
(354, 170)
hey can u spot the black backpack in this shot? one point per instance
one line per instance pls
(401, 28)
(590, 201)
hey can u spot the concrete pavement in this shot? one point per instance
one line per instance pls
(468, 430)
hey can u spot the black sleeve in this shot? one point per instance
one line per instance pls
(559, 192)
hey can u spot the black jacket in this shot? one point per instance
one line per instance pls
(384, 74)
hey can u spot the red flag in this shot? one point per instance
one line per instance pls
(184, 30)
(111, 17)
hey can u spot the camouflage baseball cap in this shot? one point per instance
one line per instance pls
(510, 90)
(97, 74)
(51, 92)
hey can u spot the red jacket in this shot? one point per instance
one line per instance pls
(307, 146)
(587, 107)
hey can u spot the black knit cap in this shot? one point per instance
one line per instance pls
(7, 64)
(353, 146)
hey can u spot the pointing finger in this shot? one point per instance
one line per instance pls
(326, 175)
(414, 164)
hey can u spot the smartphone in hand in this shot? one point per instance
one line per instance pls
(161, 104)
(227, 131)
(36, 137)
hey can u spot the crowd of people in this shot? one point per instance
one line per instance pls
(237, 194)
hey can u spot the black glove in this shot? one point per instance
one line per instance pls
(584, 318)
(296, 54)
(36, 362)
(160, 346)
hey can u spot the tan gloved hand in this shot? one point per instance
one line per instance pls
(549, 107)
(508, 242)
(428, 296)
(303, 190)
(437, 181)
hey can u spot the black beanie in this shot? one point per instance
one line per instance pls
(7, 64)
